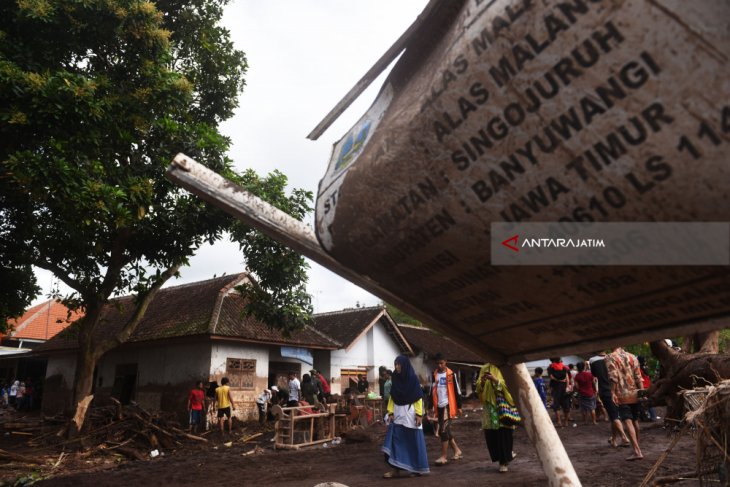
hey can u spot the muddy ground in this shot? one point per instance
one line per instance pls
(361, 464)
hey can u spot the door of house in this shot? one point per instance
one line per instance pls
(348, 377)
(279, 374)
(125, 379)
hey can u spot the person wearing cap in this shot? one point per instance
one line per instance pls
(324, 385)
(262, 403)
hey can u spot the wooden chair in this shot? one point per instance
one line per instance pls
(295, 427)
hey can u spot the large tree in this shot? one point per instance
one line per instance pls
(96, 96)
(699, 363)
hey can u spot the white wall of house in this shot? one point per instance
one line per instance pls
(58, 383)
(63, 365)
(371, 350)
(385, 349)
(221, 351)
(245, 399)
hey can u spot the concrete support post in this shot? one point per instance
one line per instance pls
(539, 427)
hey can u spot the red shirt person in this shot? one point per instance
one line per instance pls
(585, 384)
(196, 402)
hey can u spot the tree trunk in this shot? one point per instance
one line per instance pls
(83, 384)
(707, 342)
(90, 351)
(682, 370)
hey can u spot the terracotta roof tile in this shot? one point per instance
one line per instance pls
(204, 308)
(42, 321)
(234, 323)
(430, 342)
(346, 325)
(175, 311)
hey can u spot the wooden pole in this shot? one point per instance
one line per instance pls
(379, 66)
(268, 219)
(553, 457)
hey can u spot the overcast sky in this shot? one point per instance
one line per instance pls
(303, 56)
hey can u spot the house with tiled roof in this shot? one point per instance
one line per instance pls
(366, 337)
(40, 323)
(37, 325)
(427, 343)
(190, 332)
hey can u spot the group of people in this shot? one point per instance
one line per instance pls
(17, 394)
(609, 384)
(216, 399)
(614, 381)
(313, 390)
(405, 445)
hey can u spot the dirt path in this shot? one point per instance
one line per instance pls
(361, 464)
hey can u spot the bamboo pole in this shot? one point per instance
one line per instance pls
(550, 450)
(398, 46)
(273, 222)
(664, 456)
(311, 429)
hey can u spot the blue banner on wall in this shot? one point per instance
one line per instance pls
(303, 354)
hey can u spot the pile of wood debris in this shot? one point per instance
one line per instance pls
(707, 418)
(34, 447)
(115, 430)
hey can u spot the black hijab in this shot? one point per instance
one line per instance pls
(405, 388)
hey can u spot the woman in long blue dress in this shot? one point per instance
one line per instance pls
(405, 445)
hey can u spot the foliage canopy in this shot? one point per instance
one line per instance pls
(96, 96)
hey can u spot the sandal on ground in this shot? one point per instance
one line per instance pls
(391, 475)
(503, 469)
(441, 462)
(458, 456)
(634, 457)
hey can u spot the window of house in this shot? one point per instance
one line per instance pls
(241, 372)
(349, 377)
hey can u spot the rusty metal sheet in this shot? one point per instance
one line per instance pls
(540, 111)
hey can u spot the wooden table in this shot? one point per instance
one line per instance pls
(376, 406)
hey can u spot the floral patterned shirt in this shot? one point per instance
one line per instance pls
(625, 374)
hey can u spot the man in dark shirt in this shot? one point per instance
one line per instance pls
(362, 384)
(600, 372)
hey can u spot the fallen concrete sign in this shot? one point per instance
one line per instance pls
(525, 111)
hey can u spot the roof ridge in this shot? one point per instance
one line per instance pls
(218, 305)
(349, 310)
(324, 335)
(41, 308)
(179, 286)
(196, 283)
(414, 327)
